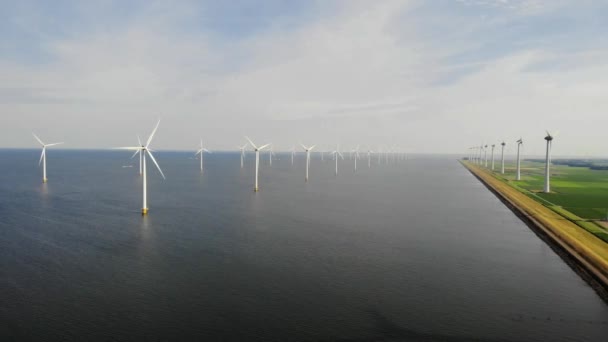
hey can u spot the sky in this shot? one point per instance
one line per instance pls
(432, 76)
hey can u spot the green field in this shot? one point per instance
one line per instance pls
(579, 190)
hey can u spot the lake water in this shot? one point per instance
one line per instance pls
(414, 251)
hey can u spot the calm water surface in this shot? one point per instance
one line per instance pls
(417, 251)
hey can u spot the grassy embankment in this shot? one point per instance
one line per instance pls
(586, 247)
(577, 193)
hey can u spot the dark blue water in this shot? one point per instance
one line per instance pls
(415, 251)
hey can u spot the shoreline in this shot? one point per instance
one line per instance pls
(581, 250)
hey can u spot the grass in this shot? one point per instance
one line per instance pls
(579, 190)
(579, 194)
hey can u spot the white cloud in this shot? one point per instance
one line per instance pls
(367, 72)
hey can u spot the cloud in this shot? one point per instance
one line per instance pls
(393, 72)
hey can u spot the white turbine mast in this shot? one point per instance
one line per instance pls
(502, 158)
(145, 150)
(493, 146)
(355, 152)
(518, 172)
(43, 156)
(549, 139)
(257, 161)
(242, 149)
(337, 154)
(307, 149)
(201, 152)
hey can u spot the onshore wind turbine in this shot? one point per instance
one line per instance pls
(307, 149)
(145, 150)
(201, 151)
(518, 174)
(43, 156)
(549, 139)
(257, 161)
(242, 148)
(485, 154)
(502, 158)
(493, 145)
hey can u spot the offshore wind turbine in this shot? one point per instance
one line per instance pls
(337, 154)
(293, 153)
(242, 148)
(355, 152)
(257, 161)
(201, 151)
(518, 174)
(145, 150)
(502, 158)
(270, 155)
(307, 149)
(549, 139)
(369, 158)
(493, 145)
(43, 156)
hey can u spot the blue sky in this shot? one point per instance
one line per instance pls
(409, 73)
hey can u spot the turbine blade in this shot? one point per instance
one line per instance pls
(41, 155)
(251, 142)
(53, 144)
(152, 135)
(138, 140)
(134, 154)
(206, 150)
(311, 147)
(128, 148)
(198, 152)
(304, 147)
(40, 141)
(155, 163)
(263, 147)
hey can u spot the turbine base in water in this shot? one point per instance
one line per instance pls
(256, 189)
(44, 180)
(144, 211)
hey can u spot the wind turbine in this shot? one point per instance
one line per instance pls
(242, 148)
(337, 153)
(502, 158)
(518, 175)
(549, 139)
(270, 152)
(369, 158)
(43, 156)
(145, 150)
(307, 149)
(355, 152)
(257, 161)
(201, 151)
(493, 145)
(293, 153)
(485, 154)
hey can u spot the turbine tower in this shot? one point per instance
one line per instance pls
(369, 158)
(493, 145)
(502, 158)
(257, 161)
(518, 175)
(293, 153)
(337, 154)
(242, 148)
(145, 150)
(43, 156)
(549, 139)
(355, 152)
(307, 149)
(201, 151)
(485, 154)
